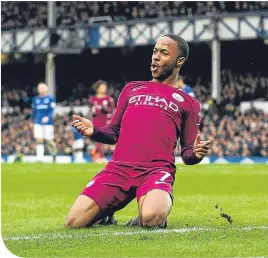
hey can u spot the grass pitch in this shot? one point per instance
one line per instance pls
(37, 197)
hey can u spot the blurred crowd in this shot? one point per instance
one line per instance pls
(239, 134)
(15, 98)
(17, 134)
(81, 93)
(232, 133)
(236, 87)
(18, 15)
(34, 14)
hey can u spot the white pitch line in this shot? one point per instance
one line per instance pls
(159, 231)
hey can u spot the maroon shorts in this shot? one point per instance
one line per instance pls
(118, 184)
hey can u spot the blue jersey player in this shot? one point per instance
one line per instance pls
(78, 146)
(185, 87)
(42, 116)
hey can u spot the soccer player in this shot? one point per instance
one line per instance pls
(185, 87)
(78, 146)
(101, 108)
(42, 116)
(149, 118)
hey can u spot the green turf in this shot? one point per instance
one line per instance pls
(37, 197)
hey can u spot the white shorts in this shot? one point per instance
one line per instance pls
(78, 144)
(45, 132)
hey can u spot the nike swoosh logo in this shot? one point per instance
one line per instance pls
(138, 88)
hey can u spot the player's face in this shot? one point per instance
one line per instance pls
(164, 58)
(42, 89)
(102, 89)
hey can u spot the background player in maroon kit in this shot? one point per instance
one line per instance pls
(149, 118)
(101, 108)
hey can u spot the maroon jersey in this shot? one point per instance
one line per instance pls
(101, 109)
(149, 119)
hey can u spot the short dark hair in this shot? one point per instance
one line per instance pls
(98, 83)
(182, 45)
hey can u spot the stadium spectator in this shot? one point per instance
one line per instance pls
(237, 134)
(229, 125)
(17, 134)
(34, 14)
(236, 87)
(17, 15)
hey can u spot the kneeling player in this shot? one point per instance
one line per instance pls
(149, 119)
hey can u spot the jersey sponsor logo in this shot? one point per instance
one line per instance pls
(149, 100)
(178, 97)
(42, 107)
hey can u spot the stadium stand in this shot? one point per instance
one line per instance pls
(225, 124)
(237, 134)
(246, 133)
(18, 15)
(236, 87)
(34, 14)
(17, 134)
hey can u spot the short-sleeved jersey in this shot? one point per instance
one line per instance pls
(101, 109)
(149, 119)
(42, 107)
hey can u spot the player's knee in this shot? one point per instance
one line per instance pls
(71, 222)
(81, 221)
(151, 219)
(82, 213)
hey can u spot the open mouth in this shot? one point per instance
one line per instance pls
(154, 68)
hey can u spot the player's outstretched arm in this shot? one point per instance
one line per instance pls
(107, 134)
(193, 149)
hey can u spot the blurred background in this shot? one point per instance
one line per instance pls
(71, 45)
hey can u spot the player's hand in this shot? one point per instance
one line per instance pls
(82, 125)
(201, 148)
(45, 119)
